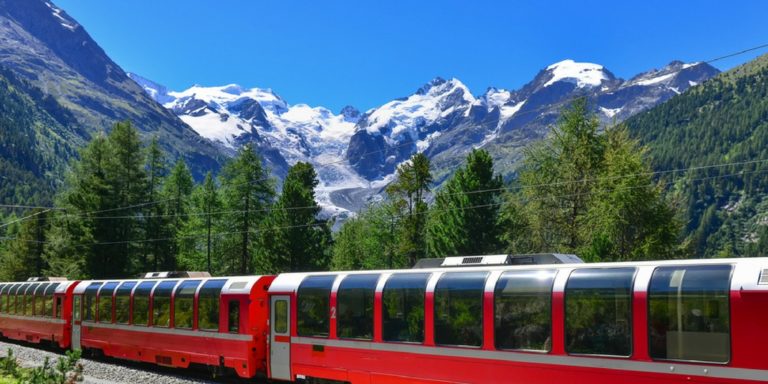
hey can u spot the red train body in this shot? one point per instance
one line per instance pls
(647, 322)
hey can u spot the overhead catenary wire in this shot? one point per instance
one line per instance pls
(398, 216)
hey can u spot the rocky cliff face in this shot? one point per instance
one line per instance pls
(43, 45)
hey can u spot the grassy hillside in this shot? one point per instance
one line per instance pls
(723, 121)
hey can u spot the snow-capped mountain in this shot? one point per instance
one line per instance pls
(356, 154)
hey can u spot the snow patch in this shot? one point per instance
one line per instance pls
(583, 74)
(656, 80)
(610, 112)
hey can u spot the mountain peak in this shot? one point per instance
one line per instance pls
(585, 75)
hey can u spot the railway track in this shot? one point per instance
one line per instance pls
(105, 370)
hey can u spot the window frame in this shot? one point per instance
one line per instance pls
(728, 306)
(160, 289)
(130, 285)
(427, 277)
(631, 313)
(93, 286)
(554, 273)
(218, 301)
(111, 301)
(350, 279)
(152, 284)
(176, 291)
(328, 315)
(443, 276)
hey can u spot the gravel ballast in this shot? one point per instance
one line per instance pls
(98, 372)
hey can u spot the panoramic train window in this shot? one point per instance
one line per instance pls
(355, 306)
(57, 309)
(403, 307)
(459, 309)
(234, 316)
(184, 304)
(161, 304)
(523, 310)
(49, 299)
(314, 306)
(4, 295)
(40, 299)
(29, 303)
(123, 302)
(89, 302)
(19, 299)
(140, 311)
(208, 304)
(598, 311)
(105, 301)
(688, 313)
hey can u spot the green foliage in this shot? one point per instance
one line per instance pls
(22, 256)
(723, 121)
(407, 193)
(588, 193)
(292, 238)
(464, 217)
(248, 193)
(197, 241)
(369, 241)
(67, 370)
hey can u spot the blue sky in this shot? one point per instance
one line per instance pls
(365, 53)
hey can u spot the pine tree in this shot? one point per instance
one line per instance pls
(465, 214)
(100, 234)
(293, 238)
(558, 176)
(197, 237)
(248, 193)
(408, 193)
(369, 241)
(176, 191)
(22, 257)
(156, 222)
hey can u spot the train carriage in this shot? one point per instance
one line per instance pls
(37, 311)
(218, 322)
(641, 322)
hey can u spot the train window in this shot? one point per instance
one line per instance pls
(523, 310)
(57, 308)
(598, 312)
(459, 309)
(161, 304)
(183, 304)
(40, 299)
(140, 309)
(19, 299)
(123, 302)
(355, 306)
(281, 316)
(403, 307)
(89, 302)
(48, 309)
(234, 316)
(4, 294)
(314, 306)
(29, 300)
(688, 313)
(208, 304)
(76, 307)
(105, 301)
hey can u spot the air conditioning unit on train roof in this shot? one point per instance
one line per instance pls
(46, 278)
(175, 274)
(490, 260)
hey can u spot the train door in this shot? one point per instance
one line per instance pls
(76, 319)
(280, 338)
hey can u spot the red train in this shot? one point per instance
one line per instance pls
(699, 321)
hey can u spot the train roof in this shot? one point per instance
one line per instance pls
(289, 282)
(61, 288)
(234, 284)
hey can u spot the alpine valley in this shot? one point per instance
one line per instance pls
(61, 90)
(357, 153)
